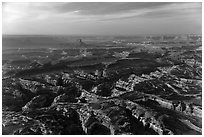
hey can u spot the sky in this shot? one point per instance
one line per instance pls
(101, 18)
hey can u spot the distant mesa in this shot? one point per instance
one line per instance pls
(81, 43)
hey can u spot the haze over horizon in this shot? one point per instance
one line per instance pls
(102, 18)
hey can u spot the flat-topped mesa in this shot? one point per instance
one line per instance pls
(81, 43)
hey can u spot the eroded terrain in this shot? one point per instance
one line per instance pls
(124, 89)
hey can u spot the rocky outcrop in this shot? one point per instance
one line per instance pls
(130, 96)
(37, 102)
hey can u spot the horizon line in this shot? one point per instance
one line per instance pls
(94, 34)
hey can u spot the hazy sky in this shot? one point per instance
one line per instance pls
(112, 18)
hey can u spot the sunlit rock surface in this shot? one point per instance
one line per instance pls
(110, 91)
